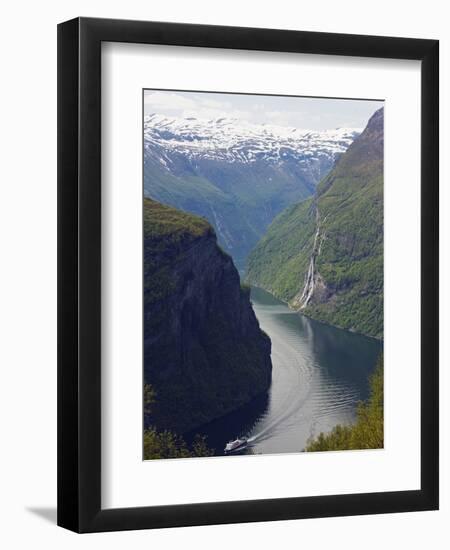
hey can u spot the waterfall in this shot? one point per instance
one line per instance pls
(311, 275)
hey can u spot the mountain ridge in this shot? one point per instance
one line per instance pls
(239, 141)
(237, 175)
(324, 255)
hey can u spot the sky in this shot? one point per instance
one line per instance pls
(299, 112)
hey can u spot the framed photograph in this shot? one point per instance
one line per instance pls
(248, 275)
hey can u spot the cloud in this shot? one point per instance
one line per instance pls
(173, 103)
(214, 104)
(170, 101)
(287, 118)
(304, 113)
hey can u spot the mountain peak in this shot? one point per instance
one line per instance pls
(236, 140)
(236, 174)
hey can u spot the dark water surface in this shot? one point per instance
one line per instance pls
(319, 375)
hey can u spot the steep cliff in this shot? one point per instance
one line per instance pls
(325, 255)
(204, 353)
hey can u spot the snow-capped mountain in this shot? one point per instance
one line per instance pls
(237, 175)
(233, 140)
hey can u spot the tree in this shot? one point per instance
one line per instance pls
(368, 430)
(167, 444)
(149, 399)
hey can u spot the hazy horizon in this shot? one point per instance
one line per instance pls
(312, 113)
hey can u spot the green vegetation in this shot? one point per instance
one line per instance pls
(167, 444)
(239, 200)
(347, 215)
(204, 353)
(368, 430)
(281, 258)
(165, 226)
(167, 234)
(149, 398)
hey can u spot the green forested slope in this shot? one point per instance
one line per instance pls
(325, 255)
(280, 260)
(238, 201)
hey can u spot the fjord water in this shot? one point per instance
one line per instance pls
(319, 374)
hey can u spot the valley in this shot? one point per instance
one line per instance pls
(263, 285)
(320, 374)
(324, 255)
(237, 175)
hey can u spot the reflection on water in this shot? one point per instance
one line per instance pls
(319, 375)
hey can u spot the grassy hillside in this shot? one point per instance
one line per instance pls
(164, 225)
(238, 200)
(280, 260)
(167, 233)
(325, 255)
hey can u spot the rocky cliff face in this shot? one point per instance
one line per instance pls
(325, 255)
(204, 353)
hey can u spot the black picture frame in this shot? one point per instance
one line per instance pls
(79, 274)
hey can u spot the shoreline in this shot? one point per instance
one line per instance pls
(312, 318)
